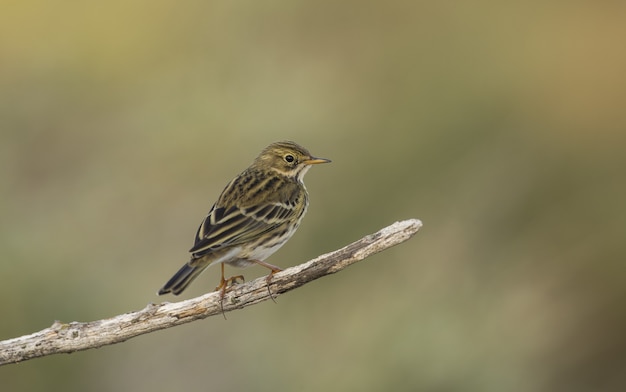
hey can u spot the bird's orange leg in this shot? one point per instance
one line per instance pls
(268, 279)
(224, 285)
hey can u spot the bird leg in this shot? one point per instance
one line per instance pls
(224, 285)
(268, 279)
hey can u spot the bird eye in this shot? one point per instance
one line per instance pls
(289, 158)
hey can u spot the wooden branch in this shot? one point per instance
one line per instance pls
(77, 336)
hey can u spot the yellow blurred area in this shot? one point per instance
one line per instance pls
(501, 125)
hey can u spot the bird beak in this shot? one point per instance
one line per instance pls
(315, 161)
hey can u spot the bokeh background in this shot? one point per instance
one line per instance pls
(502, 125)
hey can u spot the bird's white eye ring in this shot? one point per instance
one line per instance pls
(289, 158)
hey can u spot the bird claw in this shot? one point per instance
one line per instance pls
(224, 285)
(227, 283)
(268, 280)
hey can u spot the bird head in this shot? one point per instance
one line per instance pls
(287, 158)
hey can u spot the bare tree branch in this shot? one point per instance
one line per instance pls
(77, 336)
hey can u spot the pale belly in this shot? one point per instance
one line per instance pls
(237, 257)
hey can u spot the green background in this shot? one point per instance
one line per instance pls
(501, 125)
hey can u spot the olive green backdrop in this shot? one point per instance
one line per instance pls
(500, 125)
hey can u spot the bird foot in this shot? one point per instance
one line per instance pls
(226, 284)
(268, 280)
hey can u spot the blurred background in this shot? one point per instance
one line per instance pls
(501, 125)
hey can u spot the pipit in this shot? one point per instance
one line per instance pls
(257, 212)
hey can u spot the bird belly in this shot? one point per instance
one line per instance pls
(260, 251)
(227, 257)
(263, 252)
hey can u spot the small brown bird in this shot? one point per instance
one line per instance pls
(257, 212)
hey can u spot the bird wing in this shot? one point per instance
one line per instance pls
(226, 226)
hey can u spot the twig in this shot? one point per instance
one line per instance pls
(77, 336)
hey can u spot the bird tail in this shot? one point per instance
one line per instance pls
(181, 279)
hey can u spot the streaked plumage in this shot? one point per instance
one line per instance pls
(255, 215)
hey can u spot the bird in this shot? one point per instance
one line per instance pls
(256, 213)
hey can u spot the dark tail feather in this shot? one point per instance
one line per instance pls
(181, 279)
